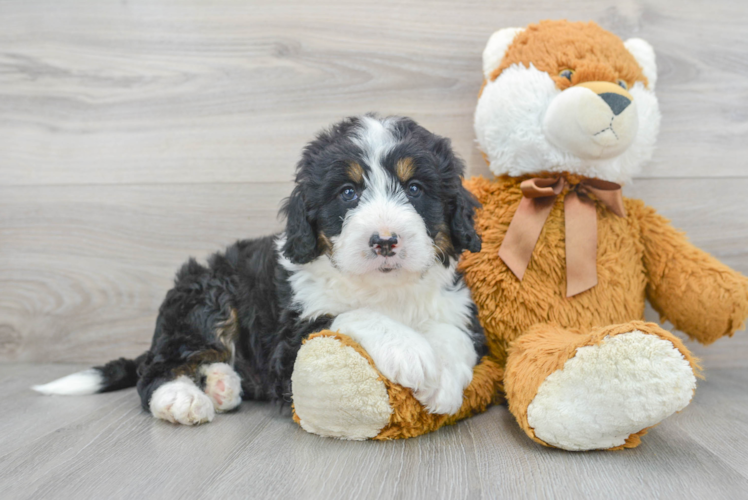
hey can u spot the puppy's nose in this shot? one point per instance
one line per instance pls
(383, 246)
(617, 102)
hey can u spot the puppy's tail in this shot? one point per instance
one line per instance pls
(117, 374)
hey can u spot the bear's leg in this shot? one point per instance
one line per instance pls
(338, 392)
(597, 390)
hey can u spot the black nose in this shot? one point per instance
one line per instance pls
(617, 102)
(383, 246)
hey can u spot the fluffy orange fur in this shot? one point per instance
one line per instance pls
(638, 256)
(545, 348)
(409, 418)
(595, 55)
(532, 328)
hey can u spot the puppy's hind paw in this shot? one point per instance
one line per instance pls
(223, 386)
(181, 401)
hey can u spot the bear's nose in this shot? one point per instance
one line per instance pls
(616, 102)
(383, 246)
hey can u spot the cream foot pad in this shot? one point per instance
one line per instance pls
(611, 390)
(336, 392)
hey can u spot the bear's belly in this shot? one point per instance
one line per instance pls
(508, 306)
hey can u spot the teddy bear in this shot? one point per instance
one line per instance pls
(567, 114)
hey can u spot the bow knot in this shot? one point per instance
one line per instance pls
(538, 196)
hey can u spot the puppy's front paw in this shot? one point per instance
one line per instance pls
(446, 398)
(181, 401)
(411, 365)
(222, 385)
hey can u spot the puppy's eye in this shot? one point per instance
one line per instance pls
(623, 84)
(414, 190)
(348, 193)
(567, 73)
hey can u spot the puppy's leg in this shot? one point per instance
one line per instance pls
(174, 381)
(188, 375)
(400, 353)
(222, 385)
(180, 401)
(190, 392)
(457, 356)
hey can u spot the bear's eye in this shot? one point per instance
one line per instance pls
(566, 74)
(623, 84)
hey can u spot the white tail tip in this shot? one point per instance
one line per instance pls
(86, 382)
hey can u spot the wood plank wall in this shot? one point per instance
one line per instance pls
(136, 133)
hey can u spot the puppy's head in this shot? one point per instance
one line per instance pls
(379, 196)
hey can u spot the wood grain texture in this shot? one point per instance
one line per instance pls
(104, 446)
(85, 268)
(135, 134)
(163, 92)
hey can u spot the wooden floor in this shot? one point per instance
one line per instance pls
(136, 133)
(104, 446)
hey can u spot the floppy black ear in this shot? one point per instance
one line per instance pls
(462, 225)
(301, 239)
(462, 204)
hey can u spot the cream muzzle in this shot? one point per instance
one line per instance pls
(592, 120)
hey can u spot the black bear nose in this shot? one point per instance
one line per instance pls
(617, 102)
(383, 246)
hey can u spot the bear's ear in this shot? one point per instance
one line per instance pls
(645, 56)
(496, 49)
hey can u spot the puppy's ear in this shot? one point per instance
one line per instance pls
(301, 240)
(462, 204)
(462, 225)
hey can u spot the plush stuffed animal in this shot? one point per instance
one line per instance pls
(566, 115)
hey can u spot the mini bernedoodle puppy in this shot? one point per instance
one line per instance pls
(375, 224)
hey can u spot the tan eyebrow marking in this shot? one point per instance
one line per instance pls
(355, 172)
(405, 169)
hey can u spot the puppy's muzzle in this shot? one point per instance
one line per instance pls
(383, 246)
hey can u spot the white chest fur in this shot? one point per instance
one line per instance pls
(415, 300)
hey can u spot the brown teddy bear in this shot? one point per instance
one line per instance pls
(567, 114)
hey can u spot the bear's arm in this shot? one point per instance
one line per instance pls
(694, 291)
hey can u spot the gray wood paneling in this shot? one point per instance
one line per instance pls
(85, 268)
(134, 134)
(104, 446)
(170, 92)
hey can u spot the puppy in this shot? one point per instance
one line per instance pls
(375, 224)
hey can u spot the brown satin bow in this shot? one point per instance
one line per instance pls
(580, 215)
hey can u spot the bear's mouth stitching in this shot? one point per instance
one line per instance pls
(609, 127)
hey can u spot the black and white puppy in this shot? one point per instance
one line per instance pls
(375, 224)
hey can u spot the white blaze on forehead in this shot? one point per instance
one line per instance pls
(375, 138)
(383, 209)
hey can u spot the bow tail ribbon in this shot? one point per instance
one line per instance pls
(580, 216)
(581, 243)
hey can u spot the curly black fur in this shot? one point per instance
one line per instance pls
(242, 297)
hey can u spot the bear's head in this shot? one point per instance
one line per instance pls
(561, 96)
